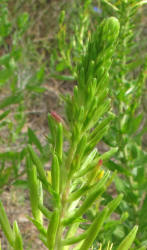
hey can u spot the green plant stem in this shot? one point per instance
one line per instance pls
(62, 214)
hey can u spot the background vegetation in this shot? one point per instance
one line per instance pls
(41, 44)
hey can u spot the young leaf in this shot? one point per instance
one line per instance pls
(55, 173)
(34, 187)
(112, 205)
(6, 225)
(37, 162)
(33, 139)
(94, 229)
(128, 240)
(18, 244)
(86, 204)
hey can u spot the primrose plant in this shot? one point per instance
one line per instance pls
(75, 183)
(74, 172)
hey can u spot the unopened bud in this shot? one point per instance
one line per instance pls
(100, 162)
(56, 116)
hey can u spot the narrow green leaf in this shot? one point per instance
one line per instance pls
(6, 225)
(42, 176)
(14, 99)
(109, 154)
(63, 77)
(52, 230)
(94, 229)
(78, 193)
(39, 226)
(4, 114)
(33, 183)
(112, 205)
(86, 204)
(128, 240)
(86, 163)
(142, 248)
(45, 211)
(55, 173)
(114, 166)
(37, 163)
(111, 5)
(33, 139)
(18, 244)
(73, 240)
(52, 127)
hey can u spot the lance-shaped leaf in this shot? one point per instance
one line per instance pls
(128, 240)
(109, 154)
(52, 127)
(45, 211)
(52, 229)
(141, 3)
(92, 143)
(111, 5)
(81, 146)
(142, 248)
(33, 139)
(70, 232)
(4, 114)
(94, 229)
(95, 114)
(5, 225)
(73, 240)
(79, 155)
(86, 164)
(39, 226)
(42, 176)
(34, 187)
(100, 126)
(90, 167)
(86, 204)
(112, 205)
(75, 195)
(18, 244)
(55, 173)
(37, 163)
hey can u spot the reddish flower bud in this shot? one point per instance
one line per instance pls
(100, 162)
(56, 116)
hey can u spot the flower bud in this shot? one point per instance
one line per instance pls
(56, 116)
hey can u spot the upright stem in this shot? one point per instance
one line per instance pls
(64, 197)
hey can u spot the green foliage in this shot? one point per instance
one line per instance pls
(71, 48)
(126, 86)
(15, 89)
(127, 128)
(80, 205)
(66, 211)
